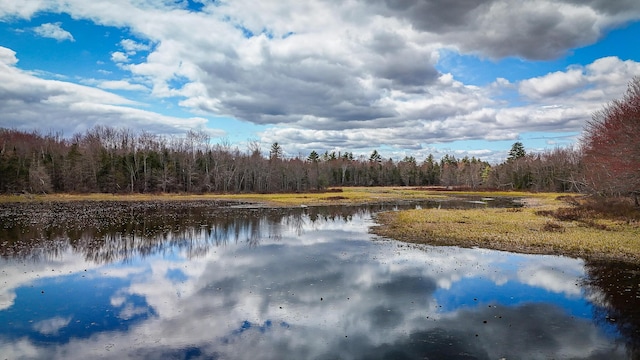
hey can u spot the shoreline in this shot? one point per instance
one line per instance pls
(526, 230)
(529, 229)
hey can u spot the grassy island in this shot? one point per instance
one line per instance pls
(546, 224)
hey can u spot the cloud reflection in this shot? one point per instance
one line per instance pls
(51, 326)
(324, 289)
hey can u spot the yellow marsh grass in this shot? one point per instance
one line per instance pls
(518, 230)
(340, 196)
(337, 196)
(343, 196)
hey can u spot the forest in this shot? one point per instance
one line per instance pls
(117, 160)
(111, 160)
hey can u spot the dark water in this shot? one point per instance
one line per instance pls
(200, 281)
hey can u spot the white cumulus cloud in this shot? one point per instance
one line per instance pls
(53, 31)
(363, 72)
(29, 102)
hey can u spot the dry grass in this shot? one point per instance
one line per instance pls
(337, 196)
(333, 196)
(534, 229)
(99, 197)
(343, 196)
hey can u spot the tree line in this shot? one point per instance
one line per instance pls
(117, 160)
(111, 160)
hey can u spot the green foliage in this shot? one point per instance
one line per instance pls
(313, 156)
(275, 152)
(517, 151)
(375, 157)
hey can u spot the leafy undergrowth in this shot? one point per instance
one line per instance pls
(567, 226)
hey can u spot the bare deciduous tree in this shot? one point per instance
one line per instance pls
(612, 146)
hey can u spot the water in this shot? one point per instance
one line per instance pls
(201, 282)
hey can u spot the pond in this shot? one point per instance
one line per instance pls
(202, 280)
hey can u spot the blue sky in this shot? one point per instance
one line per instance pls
(404, 77)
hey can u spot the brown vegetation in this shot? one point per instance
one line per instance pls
(580, 227)
(585, 210)
(612, 146)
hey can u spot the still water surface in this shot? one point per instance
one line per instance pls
(196, 282)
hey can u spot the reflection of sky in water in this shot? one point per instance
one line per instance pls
(301, 289)
(54, 310)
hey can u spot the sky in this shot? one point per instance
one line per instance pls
(404, 77)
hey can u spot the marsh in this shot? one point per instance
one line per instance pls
(212, 280)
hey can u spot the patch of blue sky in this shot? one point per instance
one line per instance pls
(247, 33)
(476, 292)
(237, 131)
(92, 44)
(178, 82)
(68, 307)
(176, 275)
(472, 69)
(621, 42)
(194, 5)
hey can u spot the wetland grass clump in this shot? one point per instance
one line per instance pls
(585, 208)
(553, 226)
(545, 225)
